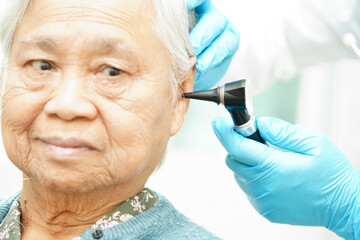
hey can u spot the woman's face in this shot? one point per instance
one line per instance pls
(87, 97)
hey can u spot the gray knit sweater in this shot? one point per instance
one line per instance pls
(162, 222)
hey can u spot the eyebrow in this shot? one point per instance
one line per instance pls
(108, 45)
(43, 43)
(102, 45)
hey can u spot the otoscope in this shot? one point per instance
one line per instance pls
(236, 98)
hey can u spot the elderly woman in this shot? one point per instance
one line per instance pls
(91, 96)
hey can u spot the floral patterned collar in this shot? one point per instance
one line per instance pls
(10, 226)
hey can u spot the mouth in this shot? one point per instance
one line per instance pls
(69, 148)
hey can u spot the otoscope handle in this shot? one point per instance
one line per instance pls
(249, 130)
(257, 137)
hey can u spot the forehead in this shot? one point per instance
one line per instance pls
(106, 20)
(63, 10)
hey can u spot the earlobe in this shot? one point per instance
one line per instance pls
(182, 105)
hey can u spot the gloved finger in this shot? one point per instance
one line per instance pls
(206, 80)
(221, 48)
(287, 136)
(249, 188)
(205, 7)
(260, 207)
(209, 27)
(244, 150)
(251, 179)
(244, 186)
(191, 4)
(214, 62)
(243, 172)
(253, 193)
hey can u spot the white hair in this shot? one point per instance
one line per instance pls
(10, 15)
(172, 26)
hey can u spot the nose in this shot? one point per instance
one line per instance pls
(71, 101)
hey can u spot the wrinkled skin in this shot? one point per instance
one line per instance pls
(86, 106)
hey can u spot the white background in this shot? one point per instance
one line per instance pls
(195, 178)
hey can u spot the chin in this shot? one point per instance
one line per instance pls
(73, 183)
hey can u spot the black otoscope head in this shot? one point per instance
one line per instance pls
(235, 96)
(235, 101)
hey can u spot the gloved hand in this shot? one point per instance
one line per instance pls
(312, 183)
(215, 41)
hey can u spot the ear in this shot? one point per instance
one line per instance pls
(182, 105)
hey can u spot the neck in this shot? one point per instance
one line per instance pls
(57, 214)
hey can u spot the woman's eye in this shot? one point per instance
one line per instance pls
(42, 65)
(112, 72)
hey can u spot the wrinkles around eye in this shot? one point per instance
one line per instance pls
(114, 90)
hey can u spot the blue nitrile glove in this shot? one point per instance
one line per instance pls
(215, 41)
(312, 183)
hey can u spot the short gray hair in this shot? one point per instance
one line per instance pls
(172, 26)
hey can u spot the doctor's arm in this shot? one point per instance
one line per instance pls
(311, 183)
(282, 37)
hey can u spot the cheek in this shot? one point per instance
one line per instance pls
(20, 108)
(138, 131)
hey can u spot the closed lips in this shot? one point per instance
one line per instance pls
(67, 143)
